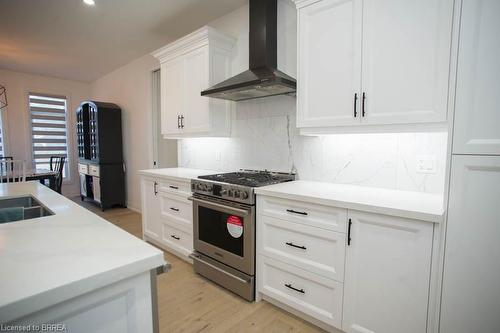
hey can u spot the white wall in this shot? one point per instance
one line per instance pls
(130, 88)
(16, 115)
(264, 135)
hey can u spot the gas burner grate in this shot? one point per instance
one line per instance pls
(250, 178)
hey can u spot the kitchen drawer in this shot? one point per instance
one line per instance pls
(175, 187)
(83, 168)
(303, 291)
(177, 209)
(94, 170)
(316, 250)
(177, 239)
(320, 216)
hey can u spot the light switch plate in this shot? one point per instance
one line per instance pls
(426, 164)
(218, 155)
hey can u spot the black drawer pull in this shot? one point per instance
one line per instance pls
(175, 237)
(297, 246)
(174, 209)
(297, 290)
(296, 212)
(174, 187)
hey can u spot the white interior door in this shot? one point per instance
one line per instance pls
(172, 81)
(406, 54)
(471, 283)
(386, 282)
(477, 106)
(329, 60)
(197, 113)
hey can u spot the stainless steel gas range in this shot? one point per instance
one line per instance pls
(224, 227)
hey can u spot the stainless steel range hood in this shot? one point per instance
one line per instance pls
(263, 78)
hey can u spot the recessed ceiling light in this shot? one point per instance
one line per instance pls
(89, 2)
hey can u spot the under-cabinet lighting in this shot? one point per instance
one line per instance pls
(89, 2)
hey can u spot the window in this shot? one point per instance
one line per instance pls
(48, 129)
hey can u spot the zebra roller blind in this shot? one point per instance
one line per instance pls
(48, 129)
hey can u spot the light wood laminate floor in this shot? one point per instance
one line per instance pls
(189, 303)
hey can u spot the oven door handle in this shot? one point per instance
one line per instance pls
(195, 257)
(243, 212)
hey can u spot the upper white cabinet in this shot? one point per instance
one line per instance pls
(368, 62)
(387, 274)
(329, 57)
(188, 66)
(477, 104)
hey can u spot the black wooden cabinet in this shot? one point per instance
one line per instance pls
(100, 153)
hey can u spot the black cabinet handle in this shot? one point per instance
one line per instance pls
(175, 237)
(174, 209)
(289, 286)
(363, 105)
(182, 121)
(349, 232)
(297, 246)
(296, 212)
(178, 121)
(355, 105)
(156, 188)
(174, 187)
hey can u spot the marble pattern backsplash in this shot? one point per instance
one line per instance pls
(264, 136)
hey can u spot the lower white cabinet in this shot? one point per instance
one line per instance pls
(167, 215)
(387, 274)
(372, 276)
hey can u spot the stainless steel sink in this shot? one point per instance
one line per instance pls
(22, 208)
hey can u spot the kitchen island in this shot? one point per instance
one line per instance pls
(74, 269)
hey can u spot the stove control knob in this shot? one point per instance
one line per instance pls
(244, 194)
(208, 188)
(199, 186)
(223, 192)
(236, 193)
(229, 193)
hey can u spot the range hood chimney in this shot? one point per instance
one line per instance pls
(263, 78)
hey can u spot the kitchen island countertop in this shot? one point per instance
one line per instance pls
(47, 260)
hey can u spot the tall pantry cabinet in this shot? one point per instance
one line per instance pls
(471, 282)
(100, 153)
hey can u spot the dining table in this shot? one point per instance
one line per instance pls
(37, 174)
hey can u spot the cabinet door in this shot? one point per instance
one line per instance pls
(172, 80)
(329, 34)
(406, 55)
(471, 282)
(151, 222)
(387, 274)
(196, 109)
(477, 106)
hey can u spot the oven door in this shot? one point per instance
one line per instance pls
(225, 231)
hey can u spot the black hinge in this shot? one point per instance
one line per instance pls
(349, 233)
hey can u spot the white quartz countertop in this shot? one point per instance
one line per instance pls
(181, 174)
(413, 205)
(47, 260)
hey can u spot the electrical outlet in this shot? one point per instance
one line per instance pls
(426, 164)
(218, 155)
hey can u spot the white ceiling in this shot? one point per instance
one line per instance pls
(70, 40)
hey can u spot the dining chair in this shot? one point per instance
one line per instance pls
(57, 164)
(6, 158)
(12, 171)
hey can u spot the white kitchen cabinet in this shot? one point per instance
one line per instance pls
(167, 214)
(151, 224)
(387, 274)
(471, 282)
(477, 101)
(367, 62)
(329, 56)
(189, 66)
(171, 77)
